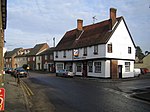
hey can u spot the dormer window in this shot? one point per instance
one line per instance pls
(109, 48)
(96, 49)
(85, 51)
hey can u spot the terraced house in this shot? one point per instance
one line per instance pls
(45, 60)
(20, 58)
(105, 49)
(9, 58)
(31, 57)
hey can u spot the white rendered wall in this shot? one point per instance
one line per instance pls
(120, 42)
(38, 61)
(126, 74)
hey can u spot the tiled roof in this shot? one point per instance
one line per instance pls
(94, 34)
(37, 49)
(9, 54)
(48, 51)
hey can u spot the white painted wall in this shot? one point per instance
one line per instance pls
(126, 74)
(20, 61)
(120, 42)
(38, 61)
(90, 54)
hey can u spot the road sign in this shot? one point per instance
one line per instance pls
(2, 99)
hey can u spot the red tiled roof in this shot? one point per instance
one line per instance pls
(94, 34)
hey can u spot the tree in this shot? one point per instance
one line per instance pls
(139, 53)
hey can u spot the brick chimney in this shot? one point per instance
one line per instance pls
(80, 24)
(113, 16)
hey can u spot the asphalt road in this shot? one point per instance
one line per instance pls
(57, 94)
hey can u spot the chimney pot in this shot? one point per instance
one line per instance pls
(80, 24)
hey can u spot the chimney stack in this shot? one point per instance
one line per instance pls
(80, 24)
(113, 16)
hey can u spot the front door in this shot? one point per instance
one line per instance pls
(84, 71)
(120, 71)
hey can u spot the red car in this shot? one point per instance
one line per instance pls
(144, 70)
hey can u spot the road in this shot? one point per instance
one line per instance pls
(57, 94)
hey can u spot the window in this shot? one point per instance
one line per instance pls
(79, 67)
(64, 54)
(33, 58)
(69, 67)
(56, 54)
(28, 58)
(51, 56)
(39, 58)
(127, 66)
(45, 57)
(59, 66)
(90, 66)
(129, 50)
(96, 49)
(85, 51)
(97, 67)
(109, 48)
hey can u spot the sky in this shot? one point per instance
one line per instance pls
(31, 22)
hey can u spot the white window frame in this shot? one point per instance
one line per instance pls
(79, 67)
(127, 66)
(45, 57)
(98, 66)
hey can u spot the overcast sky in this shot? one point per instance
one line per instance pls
(30, 22)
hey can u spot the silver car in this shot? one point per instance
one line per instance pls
(64, 73)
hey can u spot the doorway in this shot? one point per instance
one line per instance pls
(84, 71)
(120, 71)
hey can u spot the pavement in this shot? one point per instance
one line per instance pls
(16, 99)
(14, 95)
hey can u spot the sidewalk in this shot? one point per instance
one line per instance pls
(14, 96)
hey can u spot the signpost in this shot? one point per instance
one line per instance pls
(2, 99)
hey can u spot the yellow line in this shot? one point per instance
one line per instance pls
(27, 88)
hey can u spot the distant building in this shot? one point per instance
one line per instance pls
(20, 58)
(45, 60)
(9, 58)
(105, 49)
(31, 57)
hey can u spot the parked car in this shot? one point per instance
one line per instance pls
(137, 72)
(20, 73)
(64, 73)
(144, 70)
(9, 70)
